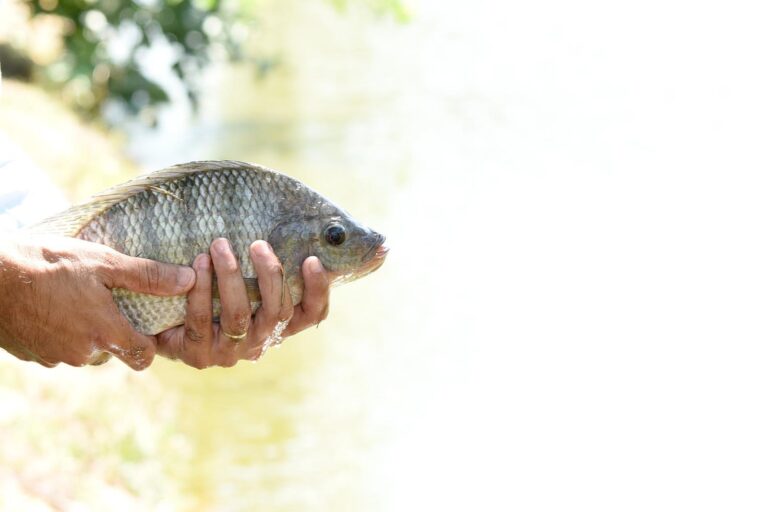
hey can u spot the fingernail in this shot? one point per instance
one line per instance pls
(315, 266)
(260, 246)
(185, 277)
(221, 246)
(202, 262)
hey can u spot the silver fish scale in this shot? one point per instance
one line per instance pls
(177, 220)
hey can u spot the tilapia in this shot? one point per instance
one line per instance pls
(174, 214)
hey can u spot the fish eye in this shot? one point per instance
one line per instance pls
(335, 234)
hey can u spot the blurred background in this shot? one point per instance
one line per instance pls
(572, 313)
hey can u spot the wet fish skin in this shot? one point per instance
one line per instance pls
(174, 214)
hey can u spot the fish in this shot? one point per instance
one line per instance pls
(174, 214)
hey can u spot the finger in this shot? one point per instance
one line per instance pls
(235, 307)
(225, 352)
(199, 319)
(275, 297)
(173, 345)
(148, 276)
(198, 323)
(316, 299)
(134, 349)
(192, 342)
(169, 342)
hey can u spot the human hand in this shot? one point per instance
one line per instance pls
(201, 342)
(56, 304)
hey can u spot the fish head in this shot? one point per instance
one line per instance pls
(346, 248)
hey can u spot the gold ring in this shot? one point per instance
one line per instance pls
(235, 337)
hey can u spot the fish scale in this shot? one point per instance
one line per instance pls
(174, 214)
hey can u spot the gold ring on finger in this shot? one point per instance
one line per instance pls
(235, 337)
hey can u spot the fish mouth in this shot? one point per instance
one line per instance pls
(372, 260)
(378, 250)
(375, 257)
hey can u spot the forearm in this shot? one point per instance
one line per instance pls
(18, 283)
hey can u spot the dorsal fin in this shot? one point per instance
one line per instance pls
(72, 220)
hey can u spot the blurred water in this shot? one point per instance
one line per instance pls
(569, 315)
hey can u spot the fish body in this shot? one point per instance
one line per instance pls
(174, 214)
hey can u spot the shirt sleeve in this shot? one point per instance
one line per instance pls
(27, 194)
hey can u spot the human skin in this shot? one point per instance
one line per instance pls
(201, 342)
(56, 304)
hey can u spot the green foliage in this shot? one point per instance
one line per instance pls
(106, 42)
(106, 58)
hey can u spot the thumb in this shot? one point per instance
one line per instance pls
(148, 276)
(134, 349)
